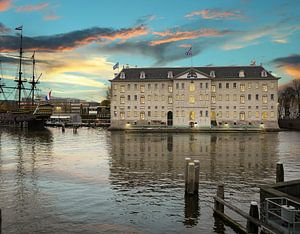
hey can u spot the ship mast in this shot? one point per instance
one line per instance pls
(33, 82)
(20, 81)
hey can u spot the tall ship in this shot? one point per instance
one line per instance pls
(25, 111)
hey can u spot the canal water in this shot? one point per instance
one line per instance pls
(97, 181)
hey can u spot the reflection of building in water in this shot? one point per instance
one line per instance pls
(232, 155)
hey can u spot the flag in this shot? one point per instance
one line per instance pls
(19, 28)
(189, 52)
(47, 98)
(116, 66)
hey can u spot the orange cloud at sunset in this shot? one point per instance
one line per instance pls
(51, 16)
(184, 35)
(36, 7)
(5, 5)
(215, 14)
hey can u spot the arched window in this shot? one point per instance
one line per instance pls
(170, 74)
(122, 75)
(212, 74)
(192, 115)
(142, 115)
(142, 75)
(264, 73)
(242, 115)
(241, 73)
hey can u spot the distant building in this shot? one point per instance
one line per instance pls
(195, 97)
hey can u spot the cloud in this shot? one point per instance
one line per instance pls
(289, 65)
(145, 19)
(5, 5)
(29, 8)
(185, 35)
(72, 40)
(214, 14)
(4, 29)
(51, 16)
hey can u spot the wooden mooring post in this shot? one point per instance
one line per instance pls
(63, 127)
(0, 221)
(192, 170)
(253, 212)
(220, 194)
(279, 172)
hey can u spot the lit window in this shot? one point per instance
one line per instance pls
(265, 87)
(264, 115)
(242, 115)
(122, 88)
(192, 87)
(122, 75)
(241, 73)
(242, 99)
(265, 99)
(142, 99)
(170, 100)
(115, 114)
(191, 99)
(142, 75)
(122, 99)
(177, 97)
(170, 88)
(122, 115)
(242, 87)
(257, 85)
(213, 88)
(272, 114)
(192, 115)
(142, 115)
(213, 99)
(142, 88)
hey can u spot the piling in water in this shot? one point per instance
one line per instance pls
(197, 172)
(187, 161)
(279, 172)
(253, 212)
(63, 127)
(192, 170)
(191, 178)
(220, 194)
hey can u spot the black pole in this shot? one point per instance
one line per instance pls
(20, 71)
(33, 79)
(0, 221)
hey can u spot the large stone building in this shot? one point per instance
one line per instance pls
(198, 97)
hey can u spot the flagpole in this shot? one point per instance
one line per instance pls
(192, 57)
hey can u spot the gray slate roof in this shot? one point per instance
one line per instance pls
(220, 72)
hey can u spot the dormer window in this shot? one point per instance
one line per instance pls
(142, 75)
(170, 74)
(212, 74)
(122, 75)
(241, 73)
(264, 73)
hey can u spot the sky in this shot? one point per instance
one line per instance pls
(77, 42)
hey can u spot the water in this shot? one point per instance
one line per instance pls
(102, 182)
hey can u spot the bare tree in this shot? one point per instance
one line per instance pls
(296, 87)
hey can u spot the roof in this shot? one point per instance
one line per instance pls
(154, 73)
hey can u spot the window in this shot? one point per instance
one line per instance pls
(182, 85)
(241, 73)
(149, 86)
(162, 85)
(170, 100)
(128, 86)
(115, 114)
(182, 113)
(264, 73)
(115, 87)
(201, 113)
(256, 97)
(264, 115)
(272, 97)
(128, 97)
(249, 85)
(227, 97)
(177, 85)
(220, 114)
(182, 97)
(142, 99)
(142, 115)
(177, 113)
(249, 97)
(220, 97)
(163, 114)
(220, 85)
(192, 115)
(272, 85)
(213, 99)
(142, 88)
(272, 114)
(135, 97)
(122, 99)
(135, 113)
(206, 97)
(257, 114)
(122, 88)
(135, 86)
(192, 87)
(162, 97)
(149, 113)
(264, 87)
(170, 74)
(206, 85)
(191, 99)
(242, 115)
(201, 97)
(212, 74)
(234, 114)
(177, 97)
(256, 85)
(234, 97)
(249, 114)
(242, 99)
(213, 88)
(170, 88)
(265, 99)
(128, 113)
(122, 115)
(149, 97)
(201, 85)
(227, 85)
(122, 75)
(155, 97)
(227, 114)
(206, 113)
(234, 85)
(242, 87)
(142, 75)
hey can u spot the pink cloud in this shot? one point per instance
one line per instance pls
(215, 14)
(51, 16)
(36, 7)
(185, 35)
(5, 5)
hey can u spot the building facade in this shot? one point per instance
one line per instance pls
(198, 97)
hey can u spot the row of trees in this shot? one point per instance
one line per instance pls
(289, 101)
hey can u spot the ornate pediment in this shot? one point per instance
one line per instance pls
(191, 74)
